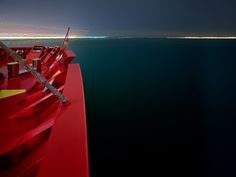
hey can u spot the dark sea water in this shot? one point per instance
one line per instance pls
(159, 107)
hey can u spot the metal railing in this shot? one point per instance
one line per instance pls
(36, 74)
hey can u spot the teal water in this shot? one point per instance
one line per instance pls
(159, 107)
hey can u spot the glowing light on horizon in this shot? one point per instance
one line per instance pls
(204, 37)
(33, 37)
(48, 37)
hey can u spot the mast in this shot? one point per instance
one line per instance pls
(66, 40)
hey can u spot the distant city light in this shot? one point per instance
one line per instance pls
(18, 37)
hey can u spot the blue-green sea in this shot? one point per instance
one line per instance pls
(158, 107)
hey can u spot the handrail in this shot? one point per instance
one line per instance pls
(36, 74)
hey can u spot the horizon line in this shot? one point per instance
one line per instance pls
(49, 37)
(203, 37)
(116, 37)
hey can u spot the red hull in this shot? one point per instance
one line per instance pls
(27, 117)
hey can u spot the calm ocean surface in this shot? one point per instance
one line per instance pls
(158, 107)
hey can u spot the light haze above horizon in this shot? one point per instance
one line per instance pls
(119, 18)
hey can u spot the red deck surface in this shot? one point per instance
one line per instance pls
(21, 115)
(66, 153)
(26, 119)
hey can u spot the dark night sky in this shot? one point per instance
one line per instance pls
(122, 17)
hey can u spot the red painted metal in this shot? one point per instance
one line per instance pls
(27, 119)
(66, 153)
